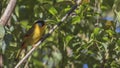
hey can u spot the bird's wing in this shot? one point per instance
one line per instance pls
(29, 32)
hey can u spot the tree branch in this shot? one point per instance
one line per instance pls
(6, 15)
(49, 33)
(1, 60)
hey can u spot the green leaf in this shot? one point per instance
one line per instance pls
(57, 55)
(37, 63)
(53, 11)
(68, 38)
(118, 42)
(25, 24)
(110, 32)
(2, 31)
(76, 19)
(105, 38)
(96, 31)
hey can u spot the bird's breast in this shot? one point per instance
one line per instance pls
(36, 34)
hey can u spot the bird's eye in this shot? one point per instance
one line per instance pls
(40, 24)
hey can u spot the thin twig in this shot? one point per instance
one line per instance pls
(48, 34)
(1, 60)
(6, 15)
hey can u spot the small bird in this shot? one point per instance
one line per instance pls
(33, 35)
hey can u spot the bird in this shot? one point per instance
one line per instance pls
(32, 36)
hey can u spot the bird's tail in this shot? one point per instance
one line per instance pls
(19, 52)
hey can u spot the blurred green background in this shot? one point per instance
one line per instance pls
(90, 35)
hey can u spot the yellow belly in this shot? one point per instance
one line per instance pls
(36, 34)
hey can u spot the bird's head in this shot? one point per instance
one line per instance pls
(40, 23)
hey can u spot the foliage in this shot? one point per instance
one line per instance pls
(88, 36)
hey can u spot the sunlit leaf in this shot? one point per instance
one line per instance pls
(68, 38)
(105, 38)
(96, 31)
(25, 24)
(76, 19)
(53, 11)
(110, 32)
